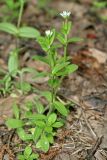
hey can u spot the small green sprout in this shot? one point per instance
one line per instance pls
(28, 155)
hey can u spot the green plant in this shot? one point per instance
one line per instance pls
(40, 122)
(28, 155)
(10, 10)
(18, 32)
(5, 85)
(59, 66)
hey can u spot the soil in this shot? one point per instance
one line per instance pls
(84, 136)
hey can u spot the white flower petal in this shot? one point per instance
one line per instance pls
(65, 14)
(48, 33)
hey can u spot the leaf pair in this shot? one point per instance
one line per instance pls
(24, 32)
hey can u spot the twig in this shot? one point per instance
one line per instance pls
(10, 137)
(89, 126)
(95, 148)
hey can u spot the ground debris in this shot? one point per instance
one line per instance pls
(6, 153)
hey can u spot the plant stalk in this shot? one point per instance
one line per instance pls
(20, 13)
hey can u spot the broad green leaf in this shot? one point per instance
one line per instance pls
(60, 108)
(75, 39)
(52, 118)
(57, 124)
(14, 123)
(13, 62)
(43, 144)
(41, 58)
(50, 138)
(58, 67)
(27, 151)
(23, 135)
(16, 111)
(28, 32)
(8, 28)
(37, 133)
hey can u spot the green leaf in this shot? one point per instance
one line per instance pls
(14, 123)
(27, 151)
(58, 67)
(28, 32)
(37, 133)
(13, 62)
(54, 82)
(21, 157)
(50, 138)
(16, 111)
(43, 43)
(41, 58)
(36, 117)
(22, 135)
(71, 68)
(28, 69)
(75, 39)
(57, 124)
(52, 118)
(39, 106)
(43, 144)
(47, 95)
(34, 156)
(48, 129)
(25, 87)
(8, 28)
(61, 38)
(60, 108)
(40, 124)
(68, 70)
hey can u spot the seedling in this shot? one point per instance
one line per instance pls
(28, 155)
(18, 32)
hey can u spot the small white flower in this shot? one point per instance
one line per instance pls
(48, 33)
(65, 14)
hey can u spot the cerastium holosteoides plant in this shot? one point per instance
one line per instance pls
(18, 32)
(40, 127)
